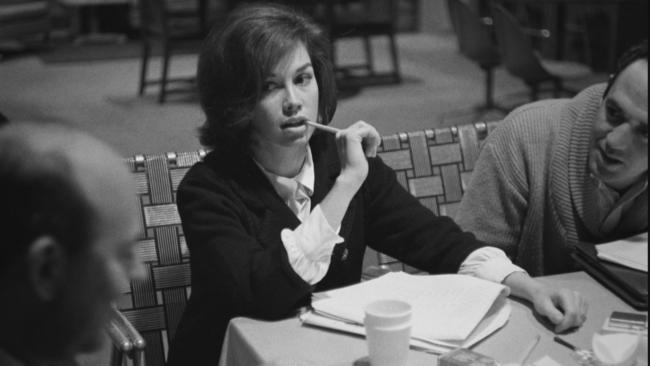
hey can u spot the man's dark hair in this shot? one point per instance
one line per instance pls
(637, 52)
(237, 57)
(38, 197)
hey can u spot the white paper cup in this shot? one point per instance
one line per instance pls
(388, 331)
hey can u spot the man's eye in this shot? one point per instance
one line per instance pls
(614, 115)
(643, 131)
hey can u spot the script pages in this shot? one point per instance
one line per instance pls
(449, 311)
(631, 252)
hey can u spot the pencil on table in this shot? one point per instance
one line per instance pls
(529, 350)
(564, 343)
(325, 128)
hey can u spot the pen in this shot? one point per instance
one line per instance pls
(325, 128)
(529, 350)
(564, 343)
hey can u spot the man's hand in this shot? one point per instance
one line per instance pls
(564, 308)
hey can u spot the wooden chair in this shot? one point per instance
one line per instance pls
(434, 165)
(521, 60)
(177, 25)
(476, 42)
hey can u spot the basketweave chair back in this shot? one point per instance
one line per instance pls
(434, 166)
(154, 304)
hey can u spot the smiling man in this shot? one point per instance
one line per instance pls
(560, 171)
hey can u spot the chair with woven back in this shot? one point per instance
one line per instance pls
(153, 305)
(434, 165)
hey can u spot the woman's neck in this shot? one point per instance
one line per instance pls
(280, 160)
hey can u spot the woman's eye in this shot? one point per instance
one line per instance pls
(304, 79)
(269, 86)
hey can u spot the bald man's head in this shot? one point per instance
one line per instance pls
(67, 214)
(38, 191)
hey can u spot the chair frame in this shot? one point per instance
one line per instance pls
(155, 11)
(525, 64)
(476, 41)
(339, 28)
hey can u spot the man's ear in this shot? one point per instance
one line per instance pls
(46, 261)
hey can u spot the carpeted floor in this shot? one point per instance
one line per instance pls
(75, 53)
(440, 88)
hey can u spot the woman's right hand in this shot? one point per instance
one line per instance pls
(355, 143)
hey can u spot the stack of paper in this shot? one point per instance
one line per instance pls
(631, 252)
(449, 311)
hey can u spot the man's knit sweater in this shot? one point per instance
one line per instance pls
(531, 193)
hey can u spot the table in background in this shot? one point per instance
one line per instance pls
(287, 342)
(94, 33)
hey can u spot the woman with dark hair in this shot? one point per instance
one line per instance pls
(279, 210)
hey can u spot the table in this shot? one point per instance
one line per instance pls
(94, 34)
(287, 343)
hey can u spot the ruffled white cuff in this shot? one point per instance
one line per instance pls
(310, 246)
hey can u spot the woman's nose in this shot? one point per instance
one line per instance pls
(291, 104)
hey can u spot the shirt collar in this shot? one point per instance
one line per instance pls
(287, 187)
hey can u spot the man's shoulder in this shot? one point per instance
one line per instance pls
(533, 122)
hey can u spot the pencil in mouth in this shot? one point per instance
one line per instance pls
(321, 127)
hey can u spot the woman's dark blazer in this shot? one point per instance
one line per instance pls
(232, 218)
